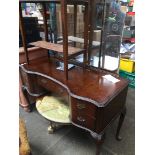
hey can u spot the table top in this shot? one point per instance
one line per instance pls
(82, 83)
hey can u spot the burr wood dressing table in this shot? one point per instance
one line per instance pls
(93, 100)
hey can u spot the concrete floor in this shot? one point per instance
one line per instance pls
(70, 140)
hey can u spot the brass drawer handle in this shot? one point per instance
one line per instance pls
(81, 106)
(79, 118)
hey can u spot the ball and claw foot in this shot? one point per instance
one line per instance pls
(50, 130)
(27, 109)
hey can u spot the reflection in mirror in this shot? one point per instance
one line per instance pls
(108, 32)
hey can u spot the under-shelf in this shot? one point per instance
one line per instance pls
(72, 51)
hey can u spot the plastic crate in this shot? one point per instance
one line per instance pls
(129, 76)
(127, 65)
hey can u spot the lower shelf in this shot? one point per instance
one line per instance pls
(53, 109)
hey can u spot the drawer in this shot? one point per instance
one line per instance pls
(83, 107)
(52, 86)
(83, 120)
(29, 80)
(24, 77)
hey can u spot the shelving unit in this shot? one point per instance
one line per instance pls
(68, 52)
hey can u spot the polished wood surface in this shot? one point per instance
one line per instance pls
(81, 82)
(86, 29)
(53, 87)
(26, 81)
(65, 36)
(91, 26)
(94, 101)
(34, 53)
(22, 99)
(45, 24)
(75, 21)
(83, 113)
(45, 21)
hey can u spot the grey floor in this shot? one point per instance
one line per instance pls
(70, 140)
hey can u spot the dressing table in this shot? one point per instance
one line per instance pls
(93, 100)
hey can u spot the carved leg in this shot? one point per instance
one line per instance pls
(98, 146)
(99, 141)
(26, 107)
(121, 119)
(24, 102)
(22, 97)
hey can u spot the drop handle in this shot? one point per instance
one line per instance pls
(81, 106)
(79, 118)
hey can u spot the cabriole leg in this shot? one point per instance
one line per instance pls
(121, 119)
(24, 96)
(99, 141)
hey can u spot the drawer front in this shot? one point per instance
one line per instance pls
(83, 107)
(29, 80)
(83, 120)
(109, 112)
(25, 79)
(52, 87)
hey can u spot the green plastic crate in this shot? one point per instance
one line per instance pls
(129, 76)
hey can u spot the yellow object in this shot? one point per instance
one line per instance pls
(127, 65)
